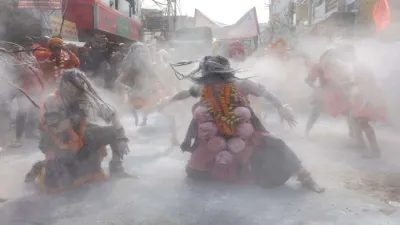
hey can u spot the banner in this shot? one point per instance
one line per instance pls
(245, 27)
(40, 4)
(69, 30)
(201, 20)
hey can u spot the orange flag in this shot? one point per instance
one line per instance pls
(381, 15)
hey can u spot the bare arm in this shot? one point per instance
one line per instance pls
(182, 95)
(193, 91)
(119, 82)
(259, 90)
(314, 73)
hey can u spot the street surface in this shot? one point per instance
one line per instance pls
(356, 189)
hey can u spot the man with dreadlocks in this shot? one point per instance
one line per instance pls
(69, 141)
(230, 143)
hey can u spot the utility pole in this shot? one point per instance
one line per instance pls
(169, 23)
(310, 12)
(174, 27)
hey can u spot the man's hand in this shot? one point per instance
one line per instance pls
(164, 102)
(286, 113)
(186, 145)
(123, 148)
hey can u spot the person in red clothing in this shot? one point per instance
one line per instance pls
(279, 48)
(236, 50)
(329, 96)
(54, 57)
(348, 88)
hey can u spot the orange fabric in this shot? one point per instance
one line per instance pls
(75, 142)
(43, 55)
(55, 41)
(381, 14)
(73, 61)
(335, 101)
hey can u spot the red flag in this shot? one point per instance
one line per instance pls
(381, 15)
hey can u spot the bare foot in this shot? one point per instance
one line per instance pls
(310, 184)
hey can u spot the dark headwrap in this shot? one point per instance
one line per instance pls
(212, 69)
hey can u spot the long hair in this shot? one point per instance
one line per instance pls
(215, 69)
(90, 96)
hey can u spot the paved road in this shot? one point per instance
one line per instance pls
(161, 194)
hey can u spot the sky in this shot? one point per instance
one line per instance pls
(223, 11)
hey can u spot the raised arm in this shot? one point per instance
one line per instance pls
(193, 91)
(259, 90)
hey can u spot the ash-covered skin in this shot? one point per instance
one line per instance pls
(216, 70)
(74, 103)
(136, 68)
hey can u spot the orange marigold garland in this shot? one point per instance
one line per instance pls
(60, 66)
(222, 113)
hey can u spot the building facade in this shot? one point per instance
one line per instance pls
(114, 18)
(282, 18)
(334, 17)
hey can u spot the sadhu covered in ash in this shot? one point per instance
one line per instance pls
(345, 88)
(230, 142)
(73, 146)
(143, 84)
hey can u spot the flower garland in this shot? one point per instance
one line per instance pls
(223, 114)
(58, 66)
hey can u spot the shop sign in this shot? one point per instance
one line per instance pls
(105, 19)
(109, 20)
(123, 27)
(69, 30)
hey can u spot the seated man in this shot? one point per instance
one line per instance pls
(73, 147)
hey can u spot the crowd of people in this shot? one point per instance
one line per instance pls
(226, 139)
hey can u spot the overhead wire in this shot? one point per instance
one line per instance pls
(63, 15)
